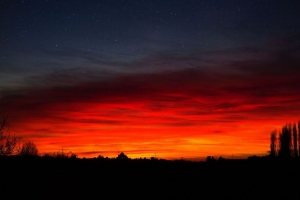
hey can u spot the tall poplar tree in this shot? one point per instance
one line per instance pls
(285, 139)
(299, 137)
(295, 140)
(273, 146)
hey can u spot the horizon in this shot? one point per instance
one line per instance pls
(174, 79)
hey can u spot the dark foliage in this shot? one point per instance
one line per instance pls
(288, 142)
(210, 159)
(285, 139)
(29, 149)
(8, 142)
(273, 145)
(299, 138)
(295, 140)
(122, 156)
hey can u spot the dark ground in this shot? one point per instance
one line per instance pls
(49, 178)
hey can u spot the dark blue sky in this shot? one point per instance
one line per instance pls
(42, 38)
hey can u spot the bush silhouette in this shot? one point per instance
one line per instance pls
(122, 156)
(73, 156)
(210, 159)
(29, 149)
(8, 143)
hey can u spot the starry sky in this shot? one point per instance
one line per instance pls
(172, 78)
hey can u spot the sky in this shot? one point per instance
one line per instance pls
(172, 79)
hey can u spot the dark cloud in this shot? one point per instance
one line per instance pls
(261, 76)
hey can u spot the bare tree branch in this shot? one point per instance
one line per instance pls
(8, 143)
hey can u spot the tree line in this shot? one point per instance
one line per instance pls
(286, 142)
(11, 144)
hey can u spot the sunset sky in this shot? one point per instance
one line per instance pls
(166, 78)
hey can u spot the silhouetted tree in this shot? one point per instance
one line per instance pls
(154, 158)
(299, 137)
(8, 143)
(210, 159)
(295, 140)
(221, 159)
(285, 139)
(60, 154)
(122, 156)
(73, 156)
(29, 149)
(273, 146)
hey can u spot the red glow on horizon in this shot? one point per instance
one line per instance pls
(141, 132)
